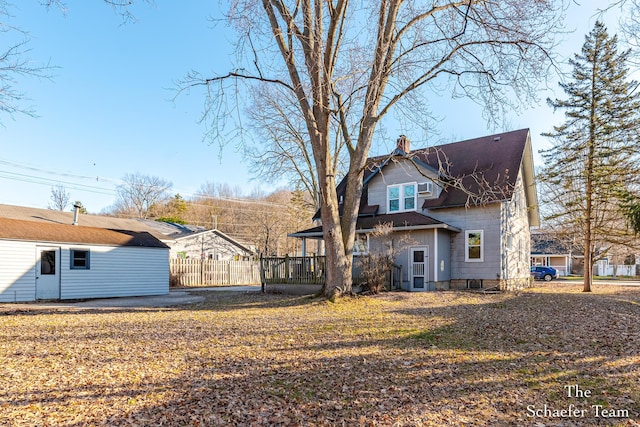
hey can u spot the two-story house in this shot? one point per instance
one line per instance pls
(465, 208)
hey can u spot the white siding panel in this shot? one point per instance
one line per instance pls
(516, 236)
(17, 271)
(117, 272)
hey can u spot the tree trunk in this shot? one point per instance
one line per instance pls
(339, 262)
(588, 268)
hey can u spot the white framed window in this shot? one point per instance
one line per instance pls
(474, 245)
(402, 197)
(361, 244)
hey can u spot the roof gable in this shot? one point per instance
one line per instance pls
(480, 171)
(218, 233)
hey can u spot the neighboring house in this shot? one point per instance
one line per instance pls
(549, 250)
(209, 244)
(41, 260)
(186, 241)
(466, 208)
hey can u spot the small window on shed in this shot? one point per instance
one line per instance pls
(79, 260)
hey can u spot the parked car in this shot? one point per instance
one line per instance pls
(544, 273)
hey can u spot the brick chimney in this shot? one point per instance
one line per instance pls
(403, 144)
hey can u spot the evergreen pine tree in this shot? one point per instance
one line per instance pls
(593, 160)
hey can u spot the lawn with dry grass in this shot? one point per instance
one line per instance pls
(434, 359)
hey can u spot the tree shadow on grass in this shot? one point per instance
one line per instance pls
(229, 301)
(436, 362)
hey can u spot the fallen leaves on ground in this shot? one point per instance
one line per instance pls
(397, 359)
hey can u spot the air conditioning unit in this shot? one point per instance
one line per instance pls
(425, 187)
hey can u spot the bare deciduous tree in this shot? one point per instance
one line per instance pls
(349, 64)
(283, 150)
(14, 63)
(139, 193)
(59, 198)
(14, 60)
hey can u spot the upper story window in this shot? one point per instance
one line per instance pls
(401, 197)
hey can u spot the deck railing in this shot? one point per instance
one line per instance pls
(310, 271)
(293, 270)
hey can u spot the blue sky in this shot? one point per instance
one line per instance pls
(109, 108)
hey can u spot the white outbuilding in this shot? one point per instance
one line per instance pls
(48, 261)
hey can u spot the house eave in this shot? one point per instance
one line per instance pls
(551, 254)
(315, 234)
(464, 205)
(78, 243)
(417, 227)
(319, 234)
(529, 178)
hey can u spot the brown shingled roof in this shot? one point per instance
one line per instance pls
(402, 220)
(488, 167)
(14, 229)
(493, 160)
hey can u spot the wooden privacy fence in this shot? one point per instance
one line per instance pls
(298, 270)
(207, 272)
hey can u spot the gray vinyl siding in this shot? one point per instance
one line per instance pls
(17, 271)
(404, 241)
(504, 258)
(443, 256)
(505, 227)
(485, 218)
(400, 172)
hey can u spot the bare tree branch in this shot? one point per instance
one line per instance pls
(345, 77)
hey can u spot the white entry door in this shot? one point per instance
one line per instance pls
(47, 272)
(418, 267)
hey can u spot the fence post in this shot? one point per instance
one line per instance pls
(286, 268)
(261, 274)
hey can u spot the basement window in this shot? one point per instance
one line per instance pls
(474, 283)
(79, 260)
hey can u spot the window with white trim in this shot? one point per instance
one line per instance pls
(361, 244)
(402, 197)
(474, 245)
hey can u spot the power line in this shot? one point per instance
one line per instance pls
(194, 199)
(63, 174)
(15, 176)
